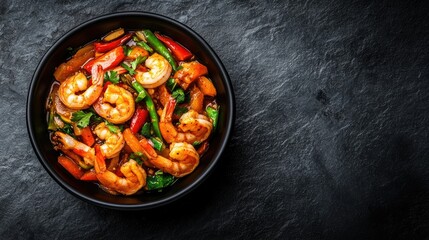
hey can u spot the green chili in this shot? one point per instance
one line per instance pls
(150, 107)
(140, 90)
(159, 47)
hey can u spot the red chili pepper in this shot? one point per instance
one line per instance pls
(139, 118)
(108, 60)
(180, 52)
(104, 47)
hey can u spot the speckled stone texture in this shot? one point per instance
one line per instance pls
(331, 135)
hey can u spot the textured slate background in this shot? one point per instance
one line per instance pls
(331, 131)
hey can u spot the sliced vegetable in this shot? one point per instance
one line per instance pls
(137, 121)
(137, 51)
(89, 176)
(150, 107)
(140, 91)
(153, 116)
(87, 136)
(144, 46)
(180, 52)
(159, 180)
(70, 166)
(76, 158)
(159, 47)
(213, 115)
(107, 46)
(108, 60)
(114, 35)
(68, 68)
(157, 144)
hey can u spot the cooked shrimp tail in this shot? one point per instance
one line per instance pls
(183, 158)
(193, 126)
(134, 175)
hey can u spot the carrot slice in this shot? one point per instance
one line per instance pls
(87, 136)
(70, 166)
(89, 176)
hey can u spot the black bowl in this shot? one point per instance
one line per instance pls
(93, 29)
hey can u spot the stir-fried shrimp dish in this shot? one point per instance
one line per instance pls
(132, 112)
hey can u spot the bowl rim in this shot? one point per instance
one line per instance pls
(187, 189)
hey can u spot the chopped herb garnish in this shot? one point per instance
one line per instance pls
(68, 129)
(145, 46)
(137, 156)
(146, 130)
(128, 68)
(179, 111)
(81, 118)
(132, 69)
(136, 62)
(112, 76)
(179, 95)
(112, 128)
(160, 180)
(171, 84)
(127, 50)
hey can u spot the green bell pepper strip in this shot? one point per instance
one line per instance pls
(160, 47)
(150, 107)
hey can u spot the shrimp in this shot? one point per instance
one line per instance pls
(183, 158)
(189, 72)
(193, 126)
(159, 72)
(75, 93)
(114, 142)
(134, 176)
(116, 104)
(66, 142)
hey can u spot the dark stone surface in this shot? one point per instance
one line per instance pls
(331, 137)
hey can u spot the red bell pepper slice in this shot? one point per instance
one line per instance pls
(87, 136)
(108, 60)
(107, 46)
(139, 118)
(70, 166)
(180, 52)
